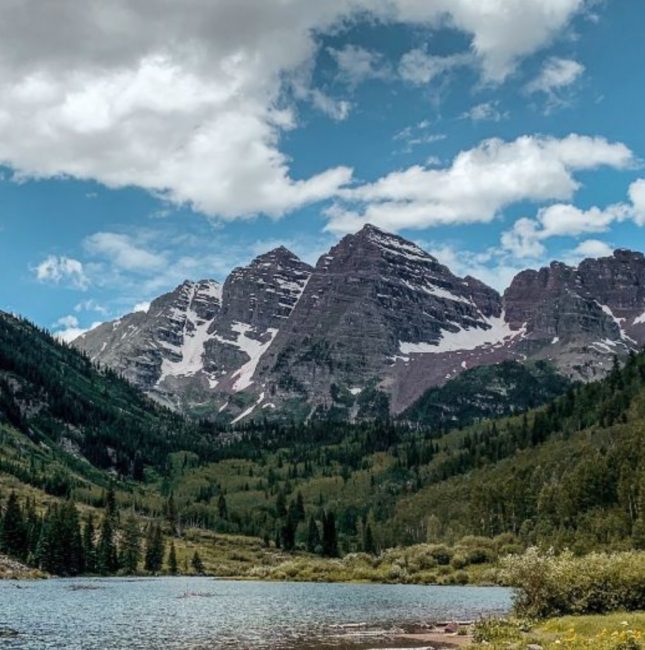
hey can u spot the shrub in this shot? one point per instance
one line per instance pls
(555, 585)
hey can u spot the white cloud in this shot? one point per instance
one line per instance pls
(188, 99)
(142, 306)
(67, 321)
(593, 248)
(67, 329)
(478, 184)
(486, 112)
(337, 109)
(420, 68)
(637, 197)
(356, 64)
(556, 74)
(559, 220)
(566, 220)
(123, 252)
(62, 270)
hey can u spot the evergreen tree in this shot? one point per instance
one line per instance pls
(173, 567)
(131, 545)
(300, 507)
(154, 549)
(288, 534)
(171, 514)
(198, 565)
(368, 540)
(313, 536)
(110, 505)
(222, 508)
(89, 548)
(329, 537)
(106, 551)
(281, 505)
(13, 533)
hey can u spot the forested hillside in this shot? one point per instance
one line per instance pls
(571, 473)
(488, 392)
(57, 397)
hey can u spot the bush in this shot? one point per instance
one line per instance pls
(555, 585)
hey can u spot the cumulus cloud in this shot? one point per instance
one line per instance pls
(142, 306)
(478, 184)
(556, 74)
(62, 270)
(526, 237)
(187, 100)
(559, 220)
(67, 328)
(593, 248)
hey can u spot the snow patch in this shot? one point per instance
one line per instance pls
(639, 319)
(254, 349)
(498, 333)
(249, 410)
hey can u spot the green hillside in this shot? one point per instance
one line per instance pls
(571, 473)
(488, 392)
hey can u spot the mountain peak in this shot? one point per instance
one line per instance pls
(279, 255)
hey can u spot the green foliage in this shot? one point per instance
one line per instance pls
(487, 392)
(555, 585)
(154, 553)
(131, 546)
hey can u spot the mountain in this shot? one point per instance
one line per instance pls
(374, 325)
(569, 473)
(199, 344)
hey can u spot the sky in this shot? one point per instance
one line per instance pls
(145, 143)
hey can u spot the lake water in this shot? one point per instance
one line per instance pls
(203, 613)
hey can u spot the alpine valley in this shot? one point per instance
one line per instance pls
(366, 332)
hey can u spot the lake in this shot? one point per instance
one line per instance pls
(203, 613)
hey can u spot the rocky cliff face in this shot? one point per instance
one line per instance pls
(376, 314)
(372, 300)
(576, 317)
(201, 342)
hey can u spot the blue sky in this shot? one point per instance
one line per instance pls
(143, 144)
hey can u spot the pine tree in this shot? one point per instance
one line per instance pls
(131, 546)
(106, 552)
(368, 540)
(13, 533)
(89, 548)
(171, 514)
(313, 536)
(198, 565)
(173, 567)
(154, 549)
(300, 507)
(222, 508)
(281, 505)
(110, 505)
(288, 534)
(329, 538)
